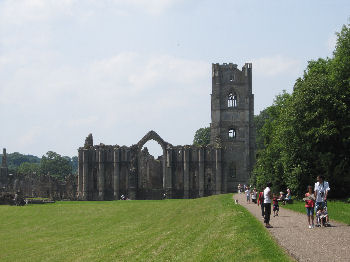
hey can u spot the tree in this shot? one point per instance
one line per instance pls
(309, 133)
(74, 164)
(269, 167)
(202, 137)
(55, 165)
(29, 168)
(14, 160)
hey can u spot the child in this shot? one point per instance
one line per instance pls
(281, 198)
(309, 205)
(248, 194)
(276, 207)
(322, 217)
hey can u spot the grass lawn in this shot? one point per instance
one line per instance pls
(205, 229)
(337, 210)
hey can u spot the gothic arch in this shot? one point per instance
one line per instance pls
(152, 135)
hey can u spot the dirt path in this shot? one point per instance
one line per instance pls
(291, 231)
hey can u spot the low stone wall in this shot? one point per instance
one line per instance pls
(33, 185)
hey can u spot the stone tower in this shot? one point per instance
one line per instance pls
(232, 113)
(3, 168)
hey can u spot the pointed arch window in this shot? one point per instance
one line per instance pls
(232, 100)
(232, 133)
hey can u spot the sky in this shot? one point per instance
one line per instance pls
(118, 69)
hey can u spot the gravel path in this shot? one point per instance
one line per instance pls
(291, 231)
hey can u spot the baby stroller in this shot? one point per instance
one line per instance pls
(322, 217)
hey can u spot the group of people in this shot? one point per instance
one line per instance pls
(315, 201)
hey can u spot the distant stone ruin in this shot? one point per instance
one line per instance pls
(106, 172)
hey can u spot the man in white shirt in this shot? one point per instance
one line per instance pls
(267, 205)
(321, 192)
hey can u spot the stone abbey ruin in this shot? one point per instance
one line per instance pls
(105, 172)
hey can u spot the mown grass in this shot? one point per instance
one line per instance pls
(337, 210)
(205, 229)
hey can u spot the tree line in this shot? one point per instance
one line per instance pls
(307, 133)
(51, 163)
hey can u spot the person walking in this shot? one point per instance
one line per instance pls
(261, 202)
(247, 192)
(254, 193)
(267, 205)
(321, 192)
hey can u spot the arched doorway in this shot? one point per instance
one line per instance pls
(151, 174)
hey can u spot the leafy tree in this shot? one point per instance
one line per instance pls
(74, 164)
(202, 137)
(14, 160)
(259, 122)
(55, 165)
(308, 134)
(268, 167)
(28, 168)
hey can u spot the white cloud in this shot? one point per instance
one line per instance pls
(275, 65)
(127, 89)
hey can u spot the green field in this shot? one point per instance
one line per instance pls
(337, 210)
(205, 229)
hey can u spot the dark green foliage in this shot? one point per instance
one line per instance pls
(55, 165)
(259, 122)
(74, 164)
(268, 167)
(14, 160)
(28, 168)
(307, 133)
(52, 163)
(202, 137)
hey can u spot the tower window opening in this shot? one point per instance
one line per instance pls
(232, 133)
(232, 100)
(232, 170)
(232, 77)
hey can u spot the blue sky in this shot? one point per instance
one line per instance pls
(118, 69)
